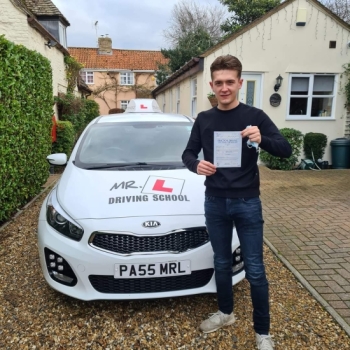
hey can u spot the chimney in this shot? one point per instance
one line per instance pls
(104, 45)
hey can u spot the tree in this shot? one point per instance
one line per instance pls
(340, 7)
(245, 12)
(193, 29)
(191, 45)
(187, 17)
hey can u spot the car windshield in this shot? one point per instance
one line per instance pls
(133, 144)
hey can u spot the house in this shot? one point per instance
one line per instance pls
(292, 58)
(38, 25)
(116, 76)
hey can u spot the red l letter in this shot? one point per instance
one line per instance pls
(158, 186)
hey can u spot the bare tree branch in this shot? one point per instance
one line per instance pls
(187, 17)
(340, 7)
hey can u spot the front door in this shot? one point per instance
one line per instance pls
(251, 90)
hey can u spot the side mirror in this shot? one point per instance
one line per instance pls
(57, 159)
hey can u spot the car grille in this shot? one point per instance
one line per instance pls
(109, 284)
(174, 242)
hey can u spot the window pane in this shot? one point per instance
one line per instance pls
(194, 107)
(298, 106)
(321, 107)
(83, 76)
(52, 28)
(250, 93)
(90, 77)
(194, 87)
(124, 104)
(323, 85)
(63, 35)
(300, 86)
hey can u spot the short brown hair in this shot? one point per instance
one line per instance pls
(227, 62)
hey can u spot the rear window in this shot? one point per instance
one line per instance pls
(118, 143)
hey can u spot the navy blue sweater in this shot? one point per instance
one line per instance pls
(233, 182)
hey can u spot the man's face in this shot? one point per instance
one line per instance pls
(225, 84)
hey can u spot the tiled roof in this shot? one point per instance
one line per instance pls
(44, 8)
(120, 59)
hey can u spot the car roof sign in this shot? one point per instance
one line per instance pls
(143, 105)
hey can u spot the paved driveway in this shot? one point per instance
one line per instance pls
(307, 222)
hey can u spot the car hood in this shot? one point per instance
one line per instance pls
(101, 194)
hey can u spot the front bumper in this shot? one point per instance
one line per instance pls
(94, 268)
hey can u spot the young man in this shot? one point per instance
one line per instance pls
(232, 190)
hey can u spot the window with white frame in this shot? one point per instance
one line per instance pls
(127, 78)
(55, 28)
(87, 76)
(178, 99)
(194, 97)
(124, 104)
(311, 96)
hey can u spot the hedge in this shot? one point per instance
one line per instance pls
(65, 138)
(314, 145)
(25, 125)
(295, 138)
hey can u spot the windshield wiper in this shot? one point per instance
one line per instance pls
(108, 166)
(136, 164)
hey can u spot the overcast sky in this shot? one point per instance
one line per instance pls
(131, 24)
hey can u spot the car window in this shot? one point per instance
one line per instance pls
(147, 142)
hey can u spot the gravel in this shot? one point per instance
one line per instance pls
(34, 316)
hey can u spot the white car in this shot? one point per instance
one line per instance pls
(126, 219)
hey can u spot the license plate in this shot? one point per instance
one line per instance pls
(163, 269)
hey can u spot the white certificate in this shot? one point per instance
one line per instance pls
(227, 149)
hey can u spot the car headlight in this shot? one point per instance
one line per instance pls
(60, 221)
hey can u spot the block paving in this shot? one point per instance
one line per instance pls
(307, 221)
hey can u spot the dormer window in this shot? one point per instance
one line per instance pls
(55, 28)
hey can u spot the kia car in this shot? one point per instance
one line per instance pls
(126, 219)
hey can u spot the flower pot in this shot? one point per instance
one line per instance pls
(213, 101)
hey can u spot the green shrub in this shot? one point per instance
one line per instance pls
(26, 101)
(65, 138)
(91, 110)
(314, 143)
(71, 108)
(295, 138)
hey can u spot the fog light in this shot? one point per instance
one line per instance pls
(237, 261)
(55, 271)
(237, 267)
(62, 277)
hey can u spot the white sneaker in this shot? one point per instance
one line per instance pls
(216, 321)
(264, 342)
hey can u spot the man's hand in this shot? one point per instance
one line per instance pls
(253, 133)
(205, 168)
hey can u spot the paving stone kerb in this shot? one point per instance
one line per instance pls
(307, 222)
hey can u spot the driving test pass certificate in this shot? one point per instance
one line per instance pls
(227, 149)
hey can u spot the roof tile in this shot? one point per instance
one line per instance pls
(120, 59)
(44, 8)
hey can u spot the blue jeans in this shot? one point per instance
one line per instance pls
(222, 214)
